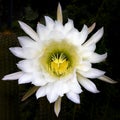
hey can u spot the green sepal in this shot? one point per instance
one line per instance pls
(30, 92)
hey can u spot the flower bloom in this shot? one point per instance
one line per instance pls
(58, 59)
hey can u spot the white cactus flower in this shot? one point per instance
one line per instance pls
(58, 59)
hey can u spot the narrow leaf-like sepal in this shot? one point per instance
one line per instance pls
(30, 92)
(91, 28)
(57, 106)
(59, 13)
(107, 79)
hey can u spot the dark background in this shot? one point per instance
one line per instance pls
(102, 106)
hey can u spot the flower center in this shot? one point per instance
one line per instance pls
(59, 64)
(59, 59)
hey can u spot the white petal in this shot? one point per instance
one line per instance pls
(73, 97)
(28, 65)
(86, 54)
(87, 84)
(92, 73)
(84, 66)
(68, 26)
(83, 34)
(27, 53)
(56, 35)
(75, 88)
(40, 27)
(39, 79)
(57, 106)
(41, 92)
(26, 42)
(107, 79)
(62, 88)
(26, 78)
(29, 31)
(42, 32)
(95, 38)
(49, 22)
(91, 47)
(74, 37)
(58, 26)
(96, 58)
(74, 85)
(13, 76)
(17, 51)
(52, 95)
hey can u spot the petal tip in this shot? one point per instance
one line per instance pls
(20, 22)
(4, 78)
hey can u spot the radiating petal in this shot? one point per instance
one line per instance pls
(43, 32)
(26, 53)
(74, 85)
(52, 95)
(13, 76)
(39, 79)
(87, 84)
(56, 35)
(95, 38)
(58, 27)
(91, 47)
(84, 66)
(28, 65)
(73, 97)
(83, 34)
(29, 31)
(41, 92)
(17, 51)
(68, 26)
(76, 37)
(57, 106)
(49, 22)
(96, 58)
(40, 27)
(25, 78)
(92, 73)
(107, 79)
(25, 66)
(26, 41)
(86, 54)
(62, 88)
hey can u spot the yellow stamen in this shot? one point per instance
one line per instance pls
(59, 64)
